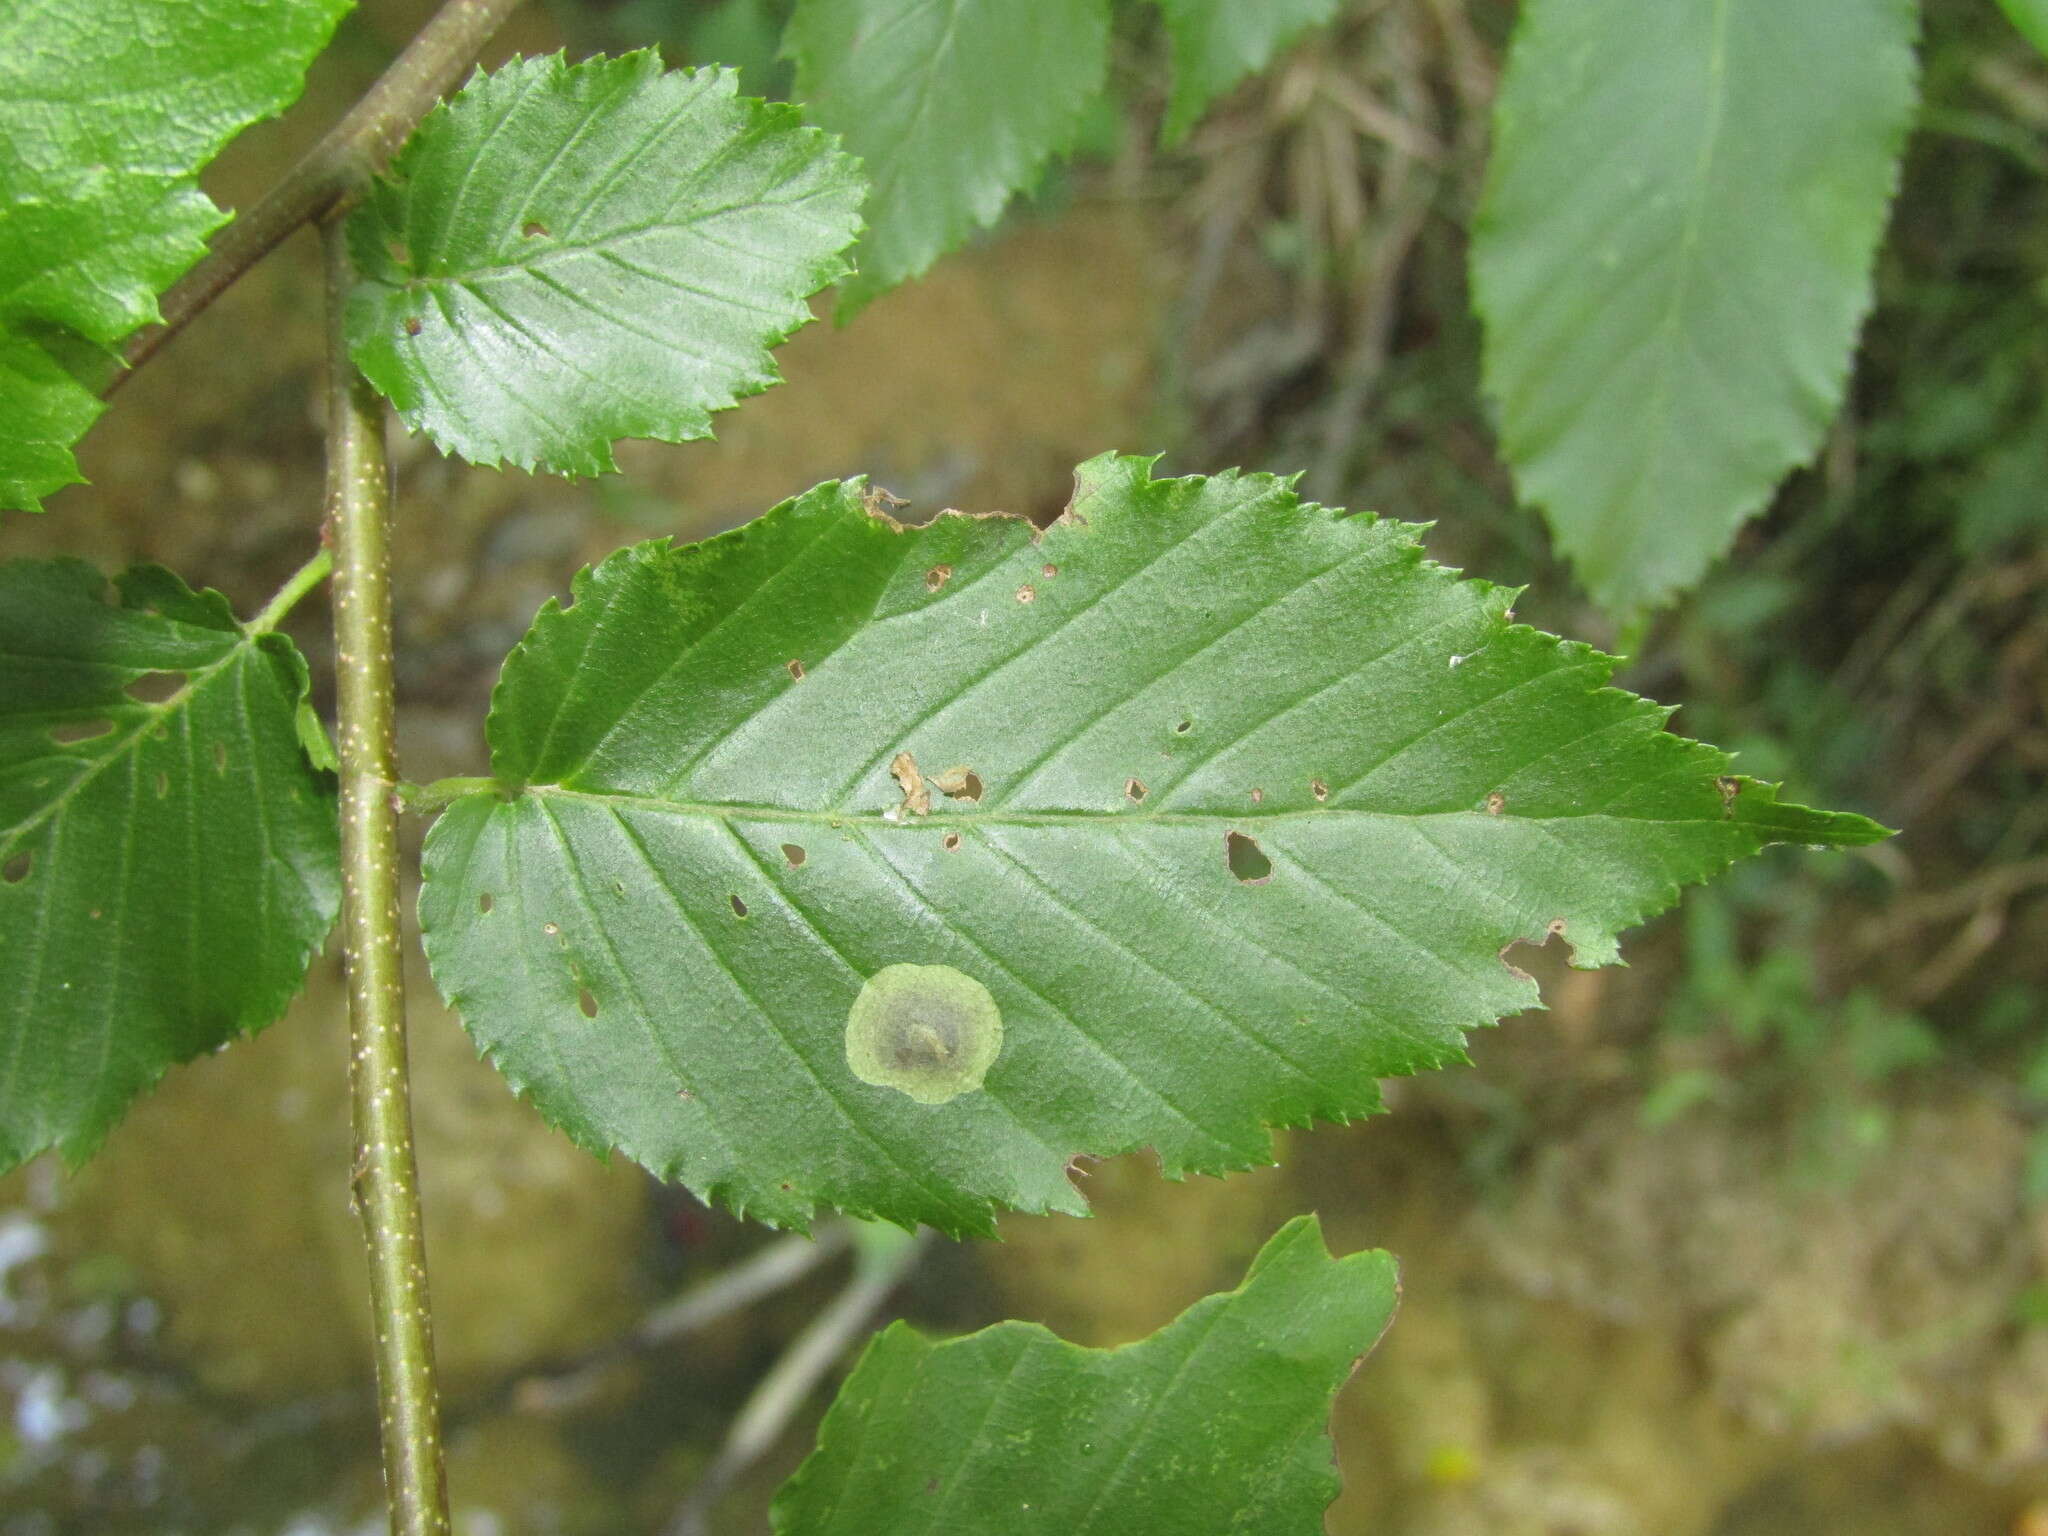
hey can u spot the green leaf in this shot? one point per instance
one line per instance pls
(953, 105)
(1216, 43)
(168, 861)
(107, 113)
(1218, 1422)
(567, 254)
(1673, 257)
(704, 847)
(2031, 17)
(43, 411)
(745, 35)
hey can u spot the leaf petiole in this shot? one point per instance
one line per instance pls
(288, 596)
(431, 799)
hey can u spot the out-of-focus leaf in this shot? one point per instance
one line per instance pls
(1673, 257)
(2031, 17)
(1216, 43)
(953, 105)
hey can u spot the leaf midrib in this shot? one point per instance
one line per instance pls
(1688, 264)
(736, 811)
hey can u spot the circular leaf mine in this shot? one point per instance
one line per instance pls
(925, 1030)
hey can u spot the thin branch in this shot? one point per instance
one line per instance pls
(334, 171)
(780, 1264)
(385, 1177)
(884, 1261)
(775, 1267)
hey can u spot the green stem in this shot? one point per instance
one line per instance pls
(334, 171)
(286, 598)
(386, 1178)
(430, 799)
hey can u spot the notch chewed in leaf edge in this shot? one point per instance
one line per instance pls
(1202, 910)
(1158, 1436)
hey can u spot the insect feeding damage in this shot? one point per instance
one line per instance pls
(917, 799)
(928, 1031)
(958, 783)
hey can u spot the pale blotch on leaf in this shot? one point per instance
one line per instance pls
(928, 1031)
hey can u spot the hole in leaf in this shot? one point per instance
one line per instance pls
(533, 227)
(155, 687)
(1540, 960)
(551, 929)
(163, 784)
(1496, 803)
(484, 901)
(739, 908)
(586, 1004)
(65, 732)
(618, 888)
(15, 870)
(1135, 790)
(412, 325)
(950, 842)
(1319, 789)
(796, 669)
(1248, 862)
(1184, 727)
(220, 757)
(958, 784)
(937, 577)
(795, 854)
(1027, 593)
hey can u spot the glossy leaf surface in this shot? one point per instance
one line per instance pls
(1216, 1423)
(1673, 257)
(569, 254)
(1231, 803)
(952, 105)
(168, 860)
(107, 113)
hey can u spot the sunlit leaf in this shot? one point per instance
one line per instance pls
(1673, 256)
(1230, 802)
(108, 110)
(168, 861)
(568, 254)
(1216, 1423)
(952, 105)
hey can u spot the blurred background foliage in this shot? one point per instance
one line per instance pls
(1750, 1238)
